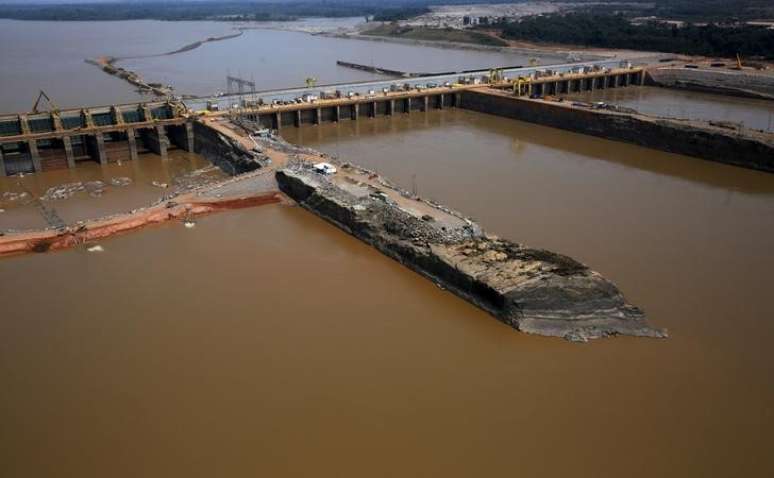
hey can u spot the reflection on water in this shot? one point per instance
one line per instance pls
(267, 342)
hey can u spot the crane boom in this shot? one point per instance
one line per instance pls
(51, 105)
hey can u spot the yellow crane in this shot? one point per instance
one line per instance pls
(521, 86)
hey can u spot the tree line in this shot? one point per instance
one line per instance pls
(616, 31)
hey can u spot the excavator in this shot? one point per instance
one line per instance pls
(51, 105)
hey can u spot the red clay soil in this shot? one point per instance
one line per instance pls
(50, 240)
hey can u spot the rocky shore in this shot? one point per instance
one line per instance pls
(533, 290)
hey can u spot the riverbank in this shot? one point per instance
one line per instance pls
(247, 190)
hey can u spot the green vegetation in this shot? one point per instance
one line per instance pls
(615, 31)
(716, 11)
(436, 34)
(399, 13)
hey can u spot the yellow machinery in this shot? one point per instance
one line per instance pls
(311, 82)
(495, 75)
(522, 86)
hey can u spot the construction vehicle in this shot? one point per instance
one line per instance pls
(521, 86)
(495, 75)
(51, 105)
(311, 82)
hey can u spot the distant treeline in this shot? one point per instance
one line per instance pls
(688, 10)
(615, 31)
(214, 10)
(399, 13)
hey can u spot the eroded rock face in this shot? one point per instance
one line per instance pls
(533, 290)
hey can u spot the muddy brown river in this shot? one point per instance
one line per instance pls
(267, 342)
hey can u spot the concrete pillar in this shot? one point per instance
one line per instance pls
(407, 105)
(131, 138)
(2, 163)
(277, 120)
(298, 118)
(457, 100)
(156, 140)
(97, 147)
(163, 141)
(373, 109)
(337, 113)
(317, 116)
(556, 88)
(626, 79)
(642, 77)
(427, 102)
(355, 111)
(189, 137)
(391, 107)
(441, 99)
(68, 147)
(35, 155)
(592, 82)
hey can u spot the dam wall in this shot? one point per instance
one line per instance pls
(706, 140)
(224, 152)
(732, 83)
(533, 290)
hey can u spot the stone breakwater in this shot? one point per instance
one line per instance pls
(533, 290)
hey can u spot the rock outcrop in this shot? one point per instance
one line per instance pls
(533, 290)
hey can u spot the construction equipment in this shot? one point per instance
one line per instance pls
(240, 83)
(495, 75)
(51, 105)
(311, 82)
(521, 86)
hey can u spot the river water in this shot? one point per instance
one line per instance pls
(24, 212)
(265, 341)
(50, 56)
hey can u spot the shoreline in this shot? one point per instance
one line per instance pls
(183, 207)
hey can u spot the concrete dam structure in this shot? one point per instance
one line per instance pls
(43, 141)
(533, 290)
